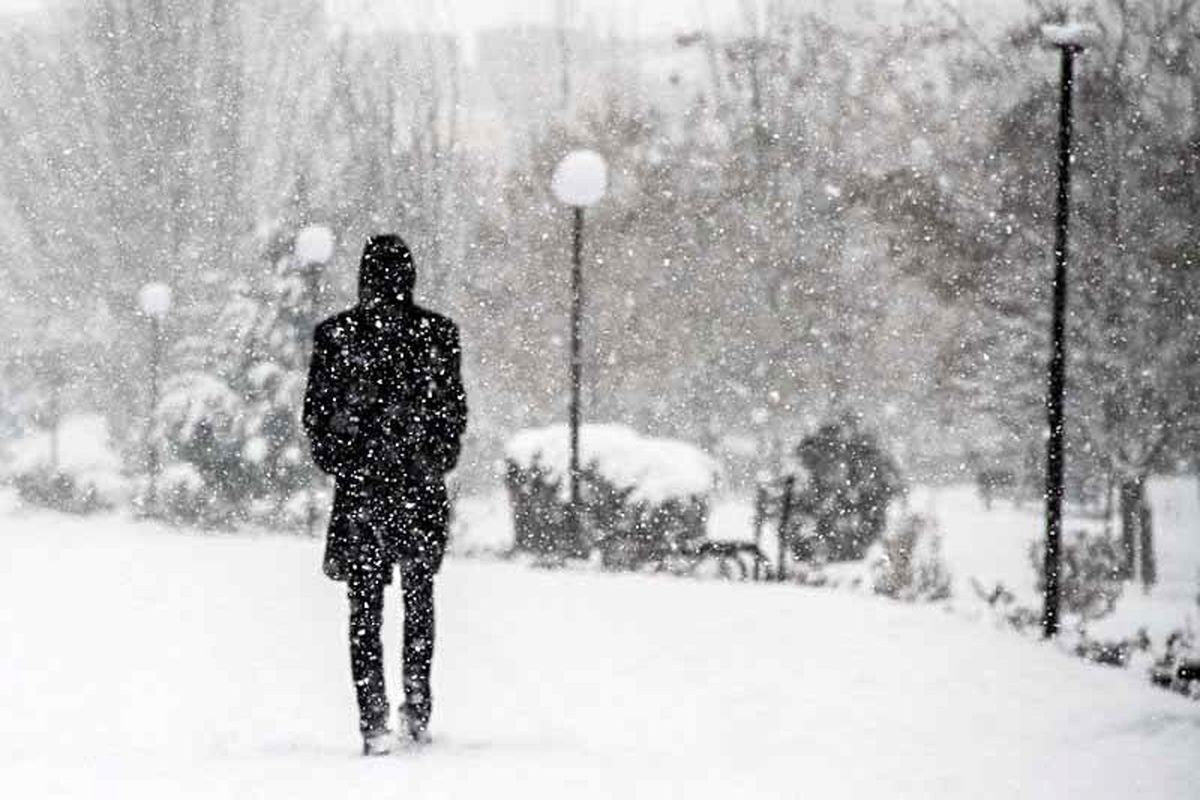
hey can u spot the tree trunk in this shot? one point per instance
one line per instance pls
(1110, 481)
(1149, 564)
(1137, 537)
(1128, 545)
(55, 415)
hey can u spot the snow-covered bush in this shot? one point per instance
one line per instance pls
(63, 491)
(908, 565)
(1089, 575)
(229, 417)
(72, 468)
(846, 485)
(481, 524)
(641, 498)
(1111, 652)
(1002, 603)
(1178, 667)
(182, 496)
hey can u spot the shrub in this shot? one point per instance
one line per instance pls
(641, 499)
(1089, 576)
(83, 493)
(1178, 667)
(1004, 606)
(909, 566)
(1112, 652)
(228, 411)
(72, 468)
(847, 483)
(184, 498)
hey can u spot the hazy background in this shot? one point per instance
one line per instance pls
(815, 210)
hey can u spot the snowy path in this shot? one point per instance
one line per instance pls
(147, 663)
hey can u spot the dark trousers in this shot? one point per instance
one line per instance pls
(366, 647)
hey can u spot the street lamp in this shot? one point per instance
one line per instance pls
(313, 249)
(1070, 39)
(315, 244)
(154, 299)
(580, 180)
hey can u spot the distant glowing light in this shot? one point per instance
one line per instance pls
(580, 179)
(315, 244)
(155, 300)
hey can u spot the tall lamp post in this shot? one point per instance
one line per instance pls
(1069, 39)
(154, 299)
(580, 180)
(314, 248)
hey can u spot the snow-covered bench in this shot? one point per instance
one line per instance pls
(642, 499)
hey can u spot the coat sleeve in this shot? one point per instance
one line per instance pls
(452, 413)
(322, 398)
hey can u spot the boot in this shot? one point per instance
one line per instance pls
(415, 724)
(377, 743)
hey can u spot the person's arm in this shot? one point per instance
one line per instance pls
(453, 408)
(322, 397)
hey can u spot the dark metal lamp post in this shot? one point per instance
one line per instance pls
(580, 180)
(1069, 40)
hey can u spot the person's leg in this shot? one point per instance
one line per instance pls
(416, 577)
(366, 651)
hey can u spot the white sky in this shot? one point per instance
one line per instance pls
(628, 17)
(18, 6)
(624, 16)
(644, 16)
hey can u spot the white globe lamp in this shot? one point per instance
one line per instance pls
(314, 244)
(155, 300)
(580, 179)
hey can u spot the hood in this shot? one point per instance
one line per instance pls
(387, 274)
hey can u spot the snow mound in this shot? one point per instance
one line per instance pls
(656, 470)
(84, 446)
(81, 450)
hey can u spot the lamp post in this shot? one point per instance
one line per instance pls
(313, 248)
(1069, 39)
(154, 299)
(580, 180)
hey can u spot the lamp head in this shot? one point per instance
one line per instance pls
(580, 179)
(1072, 35)
(155, 300)
(314, 245)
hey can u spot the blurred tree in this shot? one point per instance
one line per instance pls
(980, 234)
(398, 163)
(848, 483)
(133, 140)
(231, 410)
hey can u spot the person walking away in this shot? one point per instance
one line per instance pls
(385, 410)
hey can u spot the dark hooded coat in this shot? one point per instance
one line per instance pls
(385, 411)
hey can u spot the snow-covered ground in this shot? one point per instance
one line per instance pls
(983, 547)
(144, 662)
(992, 546)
